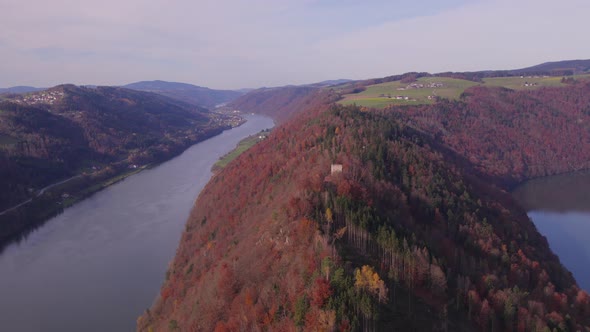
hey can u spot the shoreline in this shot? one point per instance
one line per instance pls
(243, 145)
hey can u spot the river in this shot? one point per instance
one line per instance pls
(560, 208)
(100, 264)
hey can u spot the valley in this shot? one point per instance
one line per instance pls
(382, 204)
(63, 144)
(99, 264)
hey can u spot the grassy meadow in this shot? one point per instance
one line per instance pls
(384, 94)
(534, 82)
(242, 146)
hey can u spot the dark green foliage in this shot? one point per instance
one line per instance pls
(173, 325)
(301, 307)
(405, 198)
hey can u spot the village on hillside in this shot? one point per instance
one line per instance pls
(48, 97)
(431, 85)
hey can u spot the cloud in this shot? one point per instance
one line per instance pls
(486, 35)
(250, 43)
(202, 38)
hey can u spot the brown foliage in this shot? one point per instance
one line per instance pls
(430, 215)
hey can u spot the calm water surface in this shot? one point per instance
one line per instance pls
(100, 264)
(560, 208)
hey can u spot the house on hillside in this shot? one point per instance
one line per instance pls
(335, 169)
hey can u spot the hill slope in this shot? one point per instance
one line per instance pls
(281, 103)
(412, 235)
(513, 135)
(188, 93)
(557, 68)
(575, 66)
(65, 131)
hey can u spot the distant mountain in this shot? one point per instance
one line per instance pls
(20, 89)
(188, 93)
(575, 66)
(557, 68)
(278, 103)
(245, 90)
(330, 83)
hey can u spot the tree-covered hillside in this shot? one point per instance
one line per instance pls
(415, 233)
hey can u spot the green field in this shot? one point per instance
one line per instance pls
(242, 146)
(534, 82)
(385, 94)
(379, 102)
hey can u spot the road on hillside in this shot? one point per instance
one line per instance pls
(41, 192)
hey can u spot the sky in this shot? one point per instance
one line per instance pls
(231, 44)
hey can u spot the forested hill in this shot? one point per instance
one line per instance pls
(64, 131)
(512, 135)
(415, 232)
(192, 94)
(556, 68)
(283, 102)
(573, 66)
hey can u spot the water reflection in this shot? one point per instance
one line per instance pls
(560, 208)
(560, 193)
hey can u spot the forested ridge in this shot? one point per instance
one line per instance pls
(417, 232)
(512, 135)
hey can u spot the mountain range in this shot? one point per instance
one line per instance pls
(188, 93)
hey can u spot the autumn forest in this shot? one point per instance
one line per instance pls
(416, 231)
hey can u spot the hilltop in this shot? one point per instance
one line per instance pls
(88, 135)
(559, 67)
(192, 94)
(424, 88)
(350, 218)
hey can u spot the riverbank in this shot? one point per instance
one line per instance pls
(559, 206)
(561, 192)
(98, 265)
(243, 146)
(18, 221)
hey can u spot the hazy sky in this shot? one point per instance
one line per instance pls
(253, 43)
